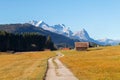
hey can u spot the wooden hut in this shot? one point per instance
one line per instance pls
(80, 46)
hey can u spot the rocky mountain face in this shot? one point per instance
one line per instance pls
(58, 28)
(61, 29)
(81, 35)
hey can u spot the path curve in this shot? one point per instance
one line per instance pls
(57, 71)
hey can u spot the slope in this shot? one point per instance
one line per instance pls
(21, 28)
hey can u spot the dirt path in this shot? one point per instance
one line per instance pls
(57, 71)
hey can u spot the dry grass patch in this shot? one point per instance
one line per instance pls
(94, 64)
(24, 66)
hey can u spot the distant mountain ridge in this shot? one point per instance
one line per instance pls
(60, 34)
(81, 35)
(109, 41)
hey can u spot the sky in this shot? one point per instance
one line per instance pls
(100, 18)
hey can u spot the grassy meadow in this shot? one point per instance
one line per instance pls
(24, 66)
(101, 63)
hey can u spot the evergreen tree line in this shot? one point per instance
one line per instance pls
(24, 42)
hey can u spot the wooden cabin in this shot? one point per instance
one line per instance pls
(80, 46)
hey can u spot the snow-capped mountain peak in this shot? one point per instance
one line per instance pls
(82, 34)
(42, 24)
(59, 28)
(62, 29)
(107, 41)
(39, 23)
(33, 22)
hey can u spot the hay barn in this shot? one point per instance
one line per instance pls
(80, 46)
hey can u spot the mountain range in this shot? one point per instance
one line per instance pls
(81, 35)
(59, 40)
(61, 35)
(59, 28)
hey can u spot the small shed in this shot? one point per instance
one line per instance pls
(80, 46)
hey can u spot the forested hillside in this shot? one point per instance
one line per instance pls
(24, 42)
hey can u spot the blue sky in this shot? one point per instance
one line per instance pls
(101, 18)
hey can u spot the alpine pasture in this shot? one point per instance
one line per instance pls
(24, 65)
(101, 63)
